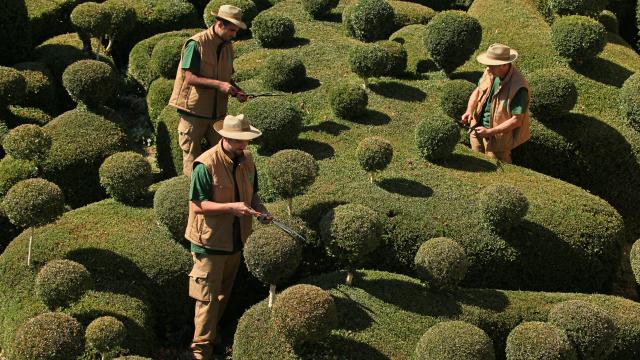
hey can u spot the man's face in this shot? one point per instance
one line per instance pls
(236, 147)
(226, 32)
(498, 70)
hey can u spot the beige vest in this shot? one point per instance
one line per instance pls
(204, 101)
(216, 231)
(500, 109)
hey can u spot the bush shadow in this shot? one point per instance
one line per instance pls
(372, 117)
(319, 150)
(467, 163)
(307, 84)
(334, 17)
(295, 42)
(426, 66)
(337, 347)
(352, 315)
(399, 91)
(328, 127)
(471, 76)
(405, 187)
(603, 71)
(488, 299)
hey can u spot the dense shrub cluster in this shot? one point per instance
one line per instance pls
(58, 52)
(374, 154)
(319, 8)
(166, 56)
(537, 340)
(13, 86)
(630, 100)
(90, 82)
(249, 10)
(369, 60)
(369, 20)
(348, 101)
(397, 57)
(577, 37)
(609, 20)
(62, 282)
(27, 142)
(49, 336)
(41, 88)
(14, 170)
(272, 30)
(409, 13)
(578, 7)
(15, 27)
(291, 172)
(451, 38)
(271, 255)
(284, 72)
(158, 97)
(106, 334)
(454, 340)
(441, 263)
(279, 120)
(171, 205)
(436, 136)
(502, 206)
(553, 94)
(455, 96)
(33, 202)
(126, 176)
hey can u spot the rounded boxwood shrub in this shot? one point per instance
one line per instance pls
(158, 97)
(630, 100)
(577, 7)
(15, 27)
(272, 30)
(291, 172)
(537, 340)
(319, 8)
(279, 120)
(304, 314)
(13, 86)
(374, 154)
(171, 205)
(553, 93)
(126, 176)
(635, 260)
(41, 87)
(33, 202)
(454, 340)
(249, 10)
(502, 206)
(90, 82)
(62, 282)
(165, 57)
(90, 19)
(397, 61)
(369, 60)
(455, 96)
(49, 336)
(591, 330)
(610, 21)
(441, 263)
(577, 37)
(14, 170)
(436, 136)
(348, 101)
(451, 38)
(27, 142)
(271, 255)
(370, 20)
(106, 334)
(409, 13)
(284, 72)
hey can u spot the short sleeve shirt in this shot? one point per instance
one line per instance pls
(191, 57)
(517, 106)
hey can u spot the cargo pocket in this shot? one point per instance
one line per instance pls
(184, 135)
(199, 288)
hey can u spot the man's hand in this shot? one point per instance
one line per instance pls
(241, 209)
(265, 218)
(227, 88)
(484, 132)
(466, 118)
(241, 96)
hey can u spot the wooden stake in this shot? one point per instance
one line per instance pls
(349, 278)
(289, 206)
(371, 177)
(272, 295)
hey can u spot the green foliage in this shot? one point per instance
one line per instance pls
(14, 170)
(635, 260)
(610, 21)
(304, 314)
(348, 101)
(41, 87)
(374, 153)
(291, 172)
(408, 13)
(630, 100)
(90, 82)
(397, 57)
(502, 206)
(13, 86)
(369, 60)
(451, 38)
(158, 97)
(553, 93)
(272, 30)
(454, 340)
(165, 57)
(91, 19)
(284, 71)
(591, 330)
(436, 136)
(62, 282)
(49, 336)
(126, 176)
(577, 37)
(33, 202)
(535, 340)
(249, 10)
(58, 52)
(271, 255)
(455, 96)
(15, 27)
(279, 120)
(441, 263)
(578, 7)
(27, 115)
(27, 142)
(171, 205)
(106, 334)
(168, 152)
(370, 20)
(318, 9)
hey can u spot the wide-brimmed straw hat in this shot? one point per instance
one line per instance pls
(230, 13)
(236, 127)
(497, 54)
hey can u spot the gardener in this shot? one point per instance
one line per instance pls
(499, 106)
(224, 200)
(203, 83)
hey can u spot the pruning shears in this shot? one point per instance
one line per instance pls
(255, 95)
(282, 227)
(468, 127)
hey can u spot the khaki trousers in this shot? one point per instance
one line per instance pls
(210, 283)
(191, 131)
(480, 145)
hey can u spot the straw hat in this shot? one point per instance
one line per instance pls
(230, 13)
(236, 127)
(497, 54)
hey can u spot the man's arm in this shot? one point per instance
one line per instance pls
(195, 80)
(201, 198)
(514, 122)
(471, 105)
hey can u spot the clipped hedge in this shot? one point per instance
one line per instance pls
(502, 206)
(106, 334)
(15, 27)
(272, 30)
(454, 340)
(171, 205)
(13, 86)
(374, 153)
(441, 263)
(49, 336)
(158, 97)
(27, 142)
(249, 10)
(284, 71)
(126, 176)
(165, 57)
(14, 170)
(319, 8)
(451, 38)
(62, 282)
(578, 38)
(630, 100)
(635, 260)
(436, 136)
(41, 89)
(553, 94)
(33, 202)
(348, 101)
(27, 115)
(536, 340)
(369, 20)
(409, 13)
(397, 57)
(369, 60)
(279, 120)
(578, 7)
(455, 96)
(271, 255)
(90, 82)
(168, 152)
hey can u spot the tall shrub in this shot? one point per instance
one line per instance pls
(451, 38)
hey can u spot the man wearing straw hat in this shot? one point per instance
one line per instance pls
(223, 203)
(203, 83)
(498, 108)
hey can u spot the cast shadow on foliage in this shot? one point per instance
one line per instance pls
(328, 127)
(307, 84)
(352, 315)
(488, 299)
(334, 17)
(335, 347)
(467, 163)
(426, 66)
(399, 91)
(164, 151)
(295, 42)
(603, 71)
(319, 150)
(372, 117)
(405, 187)
(312, 214)
(471, 76)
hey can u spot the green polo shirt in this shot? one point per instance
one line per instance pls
(517, 106)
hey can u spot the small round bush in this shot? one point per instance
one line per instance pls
(284, 72)
(370, 20)
(13, 86)
(304, 314)
(13, 171)
(41, 87)
(397, 62)
(106, 334)
(409, 13)
(158, 97)
(249, 10)
(62, 282)
(319, 8)
(454, 340)
(441, 263)
(166, 56)
(279, 120)
(578, 38)
(369, 60)
(502, 206)
(271, 255)
(537, 340)
(436, 137)
(577, 7)
(171, 205)
(553, 94)
(33, 202)
(90, 82)
(610, 21)
(291, 172)
(630, 100)
(126, 176)
(272, 30)
(591, 330)
(348, 101)
(49, 336)
(27, 142)
(455, 96)
(350, 232)
(90, 18)
(451, 38)
(374, 153)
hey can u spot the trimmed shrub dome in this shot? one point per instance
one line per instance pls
(369, 60)
(126, 176)
(165, 57)
(374, 153)
(13, 86)
(171, 205)
(319, 8)
(369, 20)
(454, 340)
(441, 263)
(455, 96)
(610, 21)
(451, 38)
(271, 30)
(553, 93)
(27, 142)
(578, 37)
(348, 101)
(279, 120)
(158, 97)
(91, 82)
(410, 13)
(284, 71)
(502, 206)
(14, 170)
(537, 340)
(49, 336)
(578, 7)
(397, 57)
(630, 100)
(106, 334)
(33, 202)
(249, 10)
(436, 137)
(90, 18)
(291, 172)
(41, 87)
(271, 255)
(635, 260)
(62, 282)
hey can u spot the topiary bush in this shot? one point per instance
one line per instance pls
(126, 176)
(610, 21)
(168, 152)
(455, 96)
(397, 57)
(370, 20)
(578, 7)
(553, 93)
(41, 86)
(284, 72)
(635, 260)
(106, 334)
(14, 170)
(454, 340)
(630, 100)
(171, 205)
(49, 336)
(279, 120)
(374, 154)
(90, 20)
(318, 9)
(13, 86)
(410, 13)
(158, 97)
(27, 115)
(436, 136)
(33, 202)
(348, 101)
(502, 206)
(15, 27)
(451, 38)
(62, 282)
(369, 60)
(578, 38)
(27, 142)
(535, 340)
(591, 330)
(272, 255)
(165, 57)
(304, 314)
(290, 173)
(90, 82)
(272, 30)
(249, 10)
(441, 263)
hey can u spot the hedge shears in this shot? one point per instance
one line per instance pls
(282, 227)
